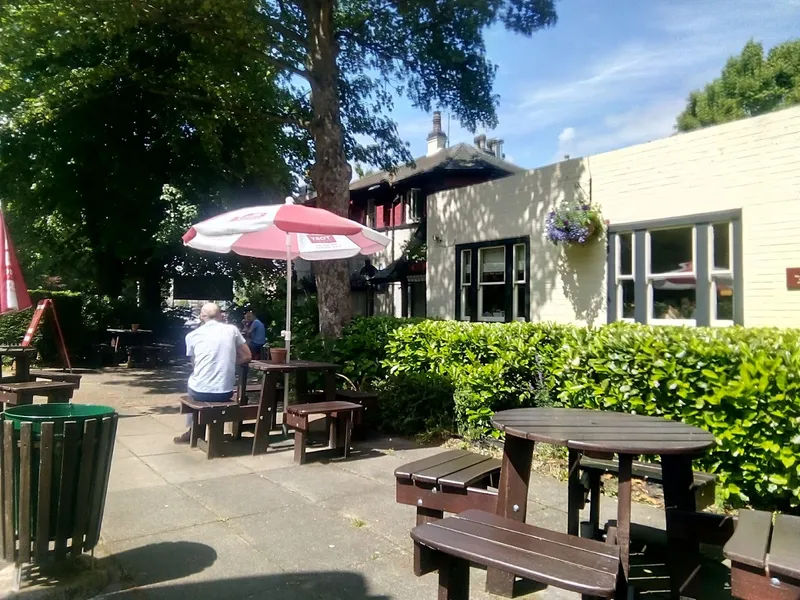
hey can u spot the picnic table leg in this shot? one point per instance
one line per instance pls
(348, 431)
(215, 439)
(23, 368)
(333, 431)
(267, 406)
(623, 532)
(574, 493)
(330, 386)
(512, 501)
(196, 429)
(300, 437)
(683, 559)
(594, 507)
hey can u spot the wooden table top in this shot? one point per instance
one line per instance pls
(600, 431)
(292, 366)
(36, 385)
(129, 330)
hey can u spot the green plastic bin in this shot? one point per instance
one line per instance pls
(58, 414)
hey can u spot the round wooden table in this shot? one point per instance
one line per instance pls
(623, 434)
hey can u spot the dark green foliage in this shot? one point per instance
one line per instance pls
(742, 385)
(751, 84)
(412, 403)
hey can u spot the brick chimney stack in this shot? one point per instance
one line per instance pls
(437, 140)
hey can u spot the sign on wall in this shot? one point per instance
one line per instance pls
(793, 278)
(210, 287)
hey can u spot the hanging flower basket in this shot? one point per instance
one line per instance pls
(573, 223)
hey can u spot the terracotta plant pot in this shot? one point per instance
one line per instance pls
(277, 355)
(135, 327)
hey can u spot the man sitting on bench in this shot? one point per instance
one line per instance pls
(215, 349)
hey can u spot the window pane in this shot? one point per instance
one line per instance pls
(519, 302)
(492, 265)
(466, 306)
(626, 254)
(724, 298)
(673, 301)
(519, 262)
(722, 246)
(466, 267)
(626, 292)
(492, 302)
(671, 250)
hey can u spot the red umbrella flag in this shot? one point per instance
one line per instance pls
(13, 291)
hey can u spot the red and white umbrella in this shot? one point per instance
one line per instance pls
(285, 232)
(13, 291)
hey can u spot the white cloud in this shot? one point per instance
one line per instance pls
(637, 125)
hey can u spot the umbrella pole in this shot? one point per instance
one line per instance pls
(287, 333)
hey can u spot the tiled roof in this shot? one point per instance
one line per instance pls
(460, 156)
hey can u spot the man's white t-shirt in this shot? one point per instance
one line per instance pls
(213, 348)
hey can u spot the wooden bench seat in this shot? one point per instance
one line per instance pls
(703, 485)
(476, 537)
(18, 394)
(208, 423)
(369, 402)
(451, 481)
(73, 378)
(339, 416)
(765, 557)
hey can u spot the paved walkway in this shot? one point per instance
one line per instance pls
(180, 526)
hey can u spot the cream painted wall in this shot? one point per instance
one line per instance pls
(752, 165)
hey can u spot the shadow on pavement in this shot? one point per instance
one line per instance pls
(165, 380)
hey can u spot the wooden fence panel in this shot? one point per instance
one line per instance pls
(43, 513)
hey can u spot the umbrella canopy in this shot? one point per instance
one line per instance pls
(285, 231)
(13, 291)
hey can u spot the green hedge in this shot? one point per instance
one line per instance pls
(742, 385)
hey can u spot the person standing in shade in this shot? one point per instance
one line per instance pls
(256, 334)
(215, 349)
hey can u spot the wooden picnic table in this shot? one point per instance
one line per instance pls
(117, 335)
(23, 357)
(269, 391)
(623, 434)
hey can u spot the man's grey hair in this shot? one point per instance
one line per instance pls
(210, 312)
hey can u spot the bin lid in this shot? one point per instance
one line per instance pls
(39, 413)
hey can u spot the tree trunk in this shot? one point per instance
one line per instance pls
(331, 172)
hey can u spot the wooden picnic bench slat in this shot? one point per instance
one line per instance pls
(750, 541)
(470, 475)
(407, 470)
(530, 552)
(784, 552)
(322, 408)
(642, 470)
(433, 474)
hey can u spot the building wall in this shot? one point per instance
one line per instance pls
(752, 165)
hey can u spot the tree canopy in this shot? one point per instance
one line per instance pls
(103, 103)
(751, 84)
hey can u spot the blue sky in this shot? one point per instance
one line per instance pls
(610, 74)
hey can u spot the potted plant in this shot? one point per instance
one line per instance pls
(573, 223)
(277, 352)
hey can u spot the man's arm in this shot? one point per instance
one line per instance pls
(243, 354)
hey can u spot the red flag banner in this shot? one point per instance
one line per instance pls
(13, 291)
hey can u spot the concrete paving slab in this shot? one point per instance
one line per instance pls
(203, 553)
(377, 512)
(152, 445)
(132, 474)
(319, 481)
(151, 510)
(121, 451)
(311, 537)
(275, 458)
(241, 495)
(141, 425)
(192, 466)
(174, 421)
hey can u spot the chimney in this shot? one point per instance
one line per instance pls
(498, 149)
(436, 139)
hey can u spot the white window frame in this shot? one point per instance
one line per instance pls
(719, 273)
(517, 283)
(481, 285)
(411, 200)
(621, 277)
(651, 277)
(465, 284)
(371, 217)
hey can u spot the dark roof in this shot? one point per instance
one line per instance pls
(458, 157)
